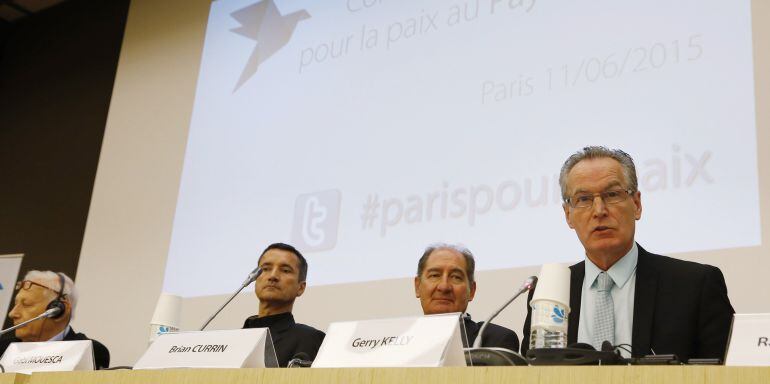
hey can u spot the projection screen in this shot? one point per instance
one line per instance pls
(362, 130)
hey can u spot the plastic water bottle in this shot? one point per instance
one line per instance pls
(550, 308)
(548, 325)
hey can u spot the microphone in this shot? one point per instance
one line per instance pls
(585, 346)
(578, 354)
(608, 347)
(528, 285)
(50, 313)
(300, 360)
(253, 275)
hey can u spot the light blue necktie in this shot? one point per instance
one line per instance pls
(604, 315)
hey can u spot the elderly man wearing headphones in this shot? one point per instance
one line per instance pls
(38, 292)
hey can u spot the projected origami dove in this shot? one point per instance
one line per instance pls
(263, 23)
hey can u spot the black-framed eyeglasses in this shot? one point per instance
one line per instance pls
(586, 200)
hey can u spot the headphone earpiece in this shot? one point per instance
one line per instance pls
(57, 302)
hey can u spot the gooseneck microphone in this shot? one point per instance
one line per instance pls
(253, 275)
(50, 313)
(528, 285)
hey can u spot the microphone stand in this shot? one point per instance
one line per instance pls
(498, 356)
(529, 284)
(49, 313)
(252, 277)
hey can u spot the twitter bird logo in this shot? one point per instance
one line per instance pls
(263, 23)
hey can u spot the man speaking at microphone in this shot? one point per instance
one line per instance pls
(445, 284)
(621, 293)
(38, 292)
(283, 280)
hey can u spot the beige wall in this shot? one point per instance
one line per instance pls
(132, 209)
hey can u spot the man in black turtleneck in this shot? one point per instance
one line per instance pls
(284, 271)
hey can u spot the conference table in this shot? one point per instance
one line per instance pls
(532, 375)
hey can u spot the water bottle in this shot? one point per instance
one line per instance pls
(550, 308)
(548, 325)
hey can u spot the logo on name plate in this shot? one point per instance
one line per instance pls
(316, 218)
(166, 329)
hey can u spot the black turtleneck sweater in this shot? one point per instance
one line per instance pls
(494, 336)
(289, 337)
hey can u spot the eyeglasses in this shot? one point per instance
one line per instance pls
(26, 284)
(586, 200)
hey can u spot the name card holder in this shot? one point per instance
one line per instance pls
(49, 356)
(238, 348)
(422, 341)
(749, 343)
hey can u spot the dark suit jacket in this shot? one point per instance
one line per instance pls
(494, 336)
(680, 307)
(101, 353)
(289, 337)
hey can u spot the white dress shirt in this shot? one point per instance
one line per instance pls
(60, 336)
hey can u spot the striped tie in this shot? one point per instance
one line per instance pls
(604, 315)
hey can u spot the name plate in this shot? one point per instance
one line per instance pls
(238, 348)
(423, 341)
(749, 343)
(28, 357)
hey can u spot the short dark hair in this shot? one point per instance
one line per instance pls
(470, 263)
(289, 248)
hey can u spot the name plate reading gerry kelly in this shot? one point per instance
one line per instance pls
(49, 356)
(423, 341)
(749, 343)
(238, 348)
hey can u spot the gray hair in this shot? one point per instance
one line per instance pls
(596, 152)
(470, 262)
(51, 280)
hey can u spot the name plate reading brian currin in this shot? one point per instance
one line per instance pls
(423, 341)
(749, 343)
(238, 348)
(49, 356)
